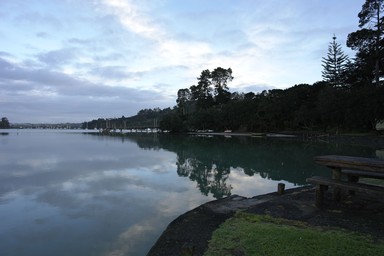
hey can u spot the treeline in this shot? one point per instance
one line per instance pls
(320, 107)
(145, 118)
(4, 123)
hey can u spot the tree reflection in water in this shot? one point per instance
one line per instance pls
(208, 160)
(210, 178)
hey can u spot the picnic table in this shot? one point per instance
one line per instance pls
(352, 168)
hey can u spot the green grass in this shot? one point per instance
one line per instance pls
(249, 234)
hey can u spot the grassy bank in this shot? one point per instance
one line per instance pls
(249, 234)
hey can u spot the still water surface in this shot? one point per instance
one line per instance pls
(77, 193)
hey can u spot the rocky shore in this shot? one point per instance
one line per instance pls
(189, 233)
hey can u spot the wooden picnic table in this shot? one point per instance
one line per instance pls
(338, 163)
(353, 168)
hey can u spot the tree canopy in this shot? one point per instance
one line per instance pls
(4, 123)
(335, 64)
(369, 41)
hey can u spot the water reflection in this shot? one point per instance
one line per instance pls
(69, 193)
(209, 160)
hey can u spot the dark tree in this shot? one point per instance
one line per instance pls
(202, 92)
(335, 64)
(4, 123)
(220, 79)
(368, 41)
(183, 100)
(172, 122)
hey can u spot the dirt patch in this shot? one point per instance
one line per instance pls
(189, 233)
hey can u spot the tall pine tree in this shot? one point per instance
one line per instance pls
(335, 64)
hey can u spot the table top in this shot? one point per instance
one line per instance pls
(351, 162)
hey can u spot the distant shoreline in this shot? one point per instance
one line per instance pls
(252, 134)
(370, 140)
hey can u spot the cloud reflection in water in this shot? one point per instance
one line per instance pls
(81, 194)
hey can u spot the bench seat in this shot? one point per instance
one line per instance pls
(323, 183)
(366, 174)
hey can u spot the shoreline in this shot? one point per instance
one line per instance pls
(374, 140)
(191, 231)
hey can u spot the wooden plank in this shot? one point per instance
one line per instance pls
(347, 185)
(359, 173)
(351, 162)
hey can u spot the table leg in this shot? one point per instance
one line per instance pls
(336, 175)
(320, 195)
(354, 179)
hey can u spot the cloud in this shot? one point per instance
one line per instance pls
(166, 48)
(42, 35)
(63, 84)
(5, 54)
(129, 51)
(56, 95)
(134, 19)
(57, 58)
(115, 73)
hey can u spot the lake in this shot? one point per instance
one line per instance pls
(81, 193)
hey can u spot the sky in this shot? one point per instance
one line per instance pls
(78, 60)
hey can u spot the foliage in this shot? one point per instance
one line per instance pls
(219, 79)
(303, 107)
(335, 64)
(145, 118)
(248, 234)
(4, 123)
(172, 122)
(211, 89)
(183, 101)
(369, 40)
(320, 107)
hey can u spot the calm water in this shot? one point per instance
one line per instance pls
(73, 193)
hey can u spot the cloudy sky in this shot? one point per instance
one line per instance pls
(77, 60)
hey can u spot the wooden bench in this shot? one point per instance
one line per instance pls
(359, 173)
(322, 184)
(372, 165)
(353, 168)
